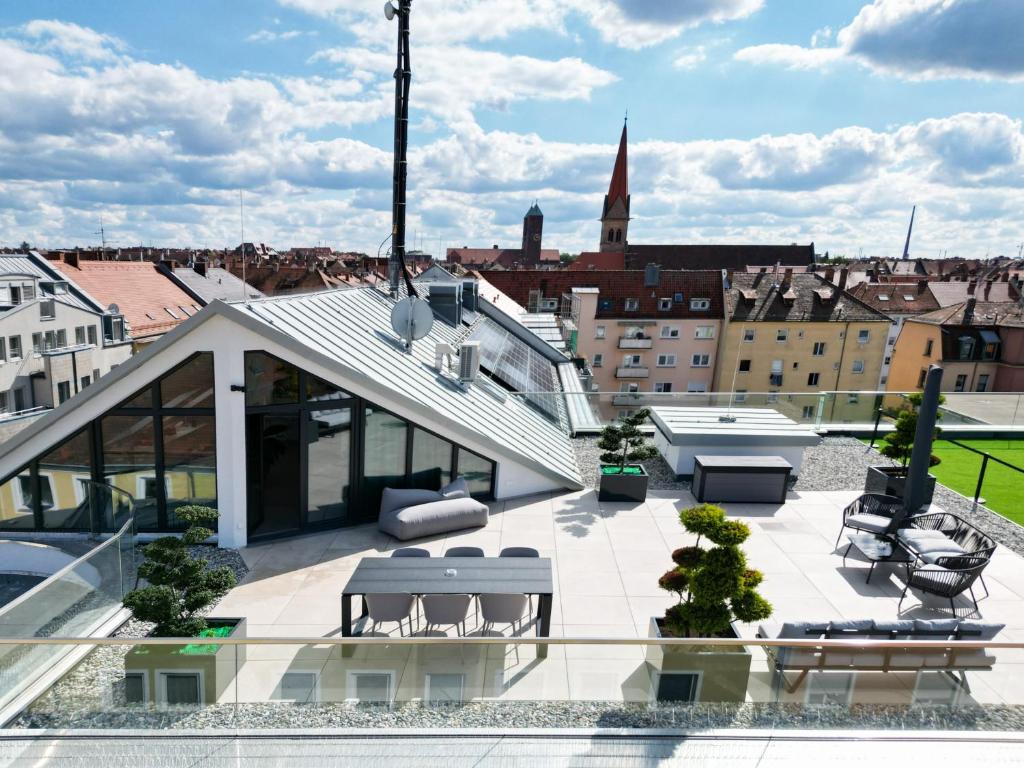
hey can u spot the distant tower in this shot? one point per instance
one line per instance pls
(533, 229)
(615, 216)
(906, 245)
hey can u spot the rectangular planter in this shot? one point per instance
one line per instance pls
(216, 664)
(722, 673)
(624, 487)
(893, 481)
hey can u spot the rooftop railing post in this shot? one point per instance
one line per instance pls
(874, 432)
(820, 415)
(920, 457)
(981, 477)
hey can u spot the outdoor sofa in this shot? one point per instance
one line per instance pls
(411, 513)
(947, 658)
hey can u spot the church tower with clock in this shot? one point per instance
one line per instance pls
(533, 229)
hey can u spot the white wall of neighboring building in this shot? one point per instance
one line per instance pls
(890, 345)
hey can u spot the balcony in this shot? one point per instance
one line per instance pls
(630, 372)
(628, 399)
(633, 343)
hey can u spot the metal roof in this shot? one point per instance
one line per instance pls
(751, 426)
(353, 327)
(217, 284)
(15, 264)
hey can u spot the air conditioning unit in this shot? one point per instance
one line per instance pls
(469, 361)
(441, 351)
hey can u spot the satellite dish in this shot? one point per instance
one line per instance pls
(412, 319)
(114, 309)
(389, 10)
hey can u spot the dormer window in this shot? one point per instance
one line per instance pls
(965, 346)
(883, 297)
(700, 305)
(632, 305)
(664, 304)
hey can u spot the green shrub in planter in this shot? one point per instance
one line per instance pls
(624, 442)
(714, 585)
(179, 586)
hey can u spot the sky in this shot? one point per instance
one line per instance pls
(750, 121)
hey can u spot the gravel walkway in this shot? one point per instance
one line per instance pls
(588, 459)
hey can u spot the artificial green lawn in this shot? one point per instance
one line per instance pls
(1003, 489)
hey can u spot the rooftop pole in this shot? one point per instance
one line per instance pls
(403, 78)
(920, 457)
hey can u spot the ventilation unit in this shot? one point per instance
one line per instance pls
(441, 351)
(469, 361)
(446, 301)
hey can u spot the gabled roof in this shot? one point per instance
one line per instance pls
(616, 286)
(983, 313)
(217, 283)
(37, 267)
(760, 298)
(898, 298)
(714, 256)
(150, 302)
(955, 291)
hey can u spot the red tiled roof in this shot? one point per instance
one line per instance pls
(141, 292)
(618, 285)
(713, 256)
(921, 298)
(589, 260)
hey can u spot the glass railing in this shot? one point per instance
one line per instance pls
(75, 600)
(829, 410)
(516, 682)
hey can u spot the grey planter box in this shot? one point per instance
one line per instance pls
(708, 674)
(624, 487)
(215, 664)
(893, 481)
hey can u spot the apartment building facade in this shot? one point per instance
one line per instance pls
(641, 331)
(53, 343)
(788, 337)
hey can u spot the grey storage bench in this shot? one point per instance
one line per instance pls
(759, 479)
(411, 513)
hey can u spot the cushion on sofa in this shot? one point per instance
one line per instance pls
(802, 630)
(936, 625)
(927, 546)
(850, 624)
(434, 517)
(932, 557)
(987, 629)
(399, 498)
(867, 522)
(456, 489)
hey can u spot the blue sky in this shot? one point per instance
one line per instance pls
(750, 121)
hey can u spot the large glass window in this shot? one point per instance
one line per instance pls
(329, 434)
(478, 471)
(64, 474)
(383, 454)
(190, 463)
(189, 385)
(431, 460)
(129, 463)
(269, 381)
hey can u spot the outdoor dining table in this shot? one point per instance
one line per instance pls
(453, 575)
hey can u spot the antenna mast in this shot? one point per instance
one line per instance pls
(906, 245)
(241, 223)
(403, 77)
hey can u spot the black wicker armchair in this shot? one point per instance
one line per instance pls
(871, 513)
(947, 577)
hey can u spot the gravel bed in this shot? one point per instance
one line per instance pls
(588, 459)
(533, 714)
(841, 464)
(96, 679)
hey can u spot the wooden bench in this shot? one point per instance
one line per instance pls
(758, 479)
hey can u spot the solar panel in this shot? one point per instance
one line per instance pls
(513, 363)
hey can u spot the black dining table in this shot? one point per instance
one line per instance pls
(453, 575)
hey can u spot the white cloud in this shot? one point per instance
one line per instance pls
(918, 39)
(690, 58)
(268, 36)
(72, 40)
(821, 36)
(641, 23)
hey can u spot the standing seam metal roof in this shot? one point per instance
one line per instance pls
(361, 317)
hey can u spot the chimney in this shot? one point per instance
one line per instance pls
(843, 274)
(652, 276)
(969, 310)
(970, 288)
(71, 259)
(787, 276)
(1005, 277)
(922, 286)
(988, 288)
(830, 273)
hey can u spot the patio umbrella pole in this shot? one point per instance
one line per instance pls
(920, 457)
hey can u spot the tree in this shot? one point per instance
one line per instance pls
(179, 586)
(713, 585)
(625, 442)
(898, 445)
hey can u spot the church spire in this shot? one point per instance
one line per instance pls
(619, 186)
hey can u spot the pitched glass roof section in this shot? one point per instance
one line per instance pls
(520, 368)
(353, 327)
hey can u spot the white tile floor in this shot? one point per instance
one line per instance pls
(607, 559)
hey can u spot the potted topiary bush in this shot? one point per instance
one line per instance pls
(622, 478)
(714, 587)
(179, 590)
(898, 445)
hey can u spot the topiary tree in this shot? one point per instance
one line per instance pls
(624, 442)
(713, 585)
(898, 445)
(179, 586)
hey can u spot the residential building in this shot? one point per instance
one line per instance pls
(150, 303)
(787, 336)
(291, 415)
(640, 331)
(53, 341)
(897, 300)
(206, 283)
(980, 346)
